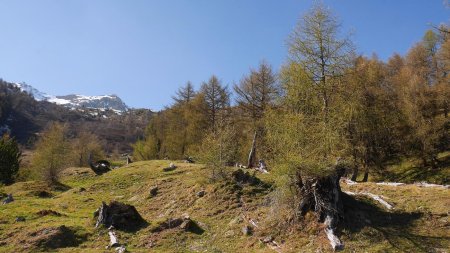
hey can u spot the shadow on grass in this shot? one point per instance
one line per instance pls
(195, 228)
(395, 227)
(418, 173)
(60, 187)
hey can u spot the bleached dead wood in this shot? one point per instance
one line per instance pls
(274, 246)
(349, 182)
(350, 193)
(114, 242)
(254, 223)
(390, 183)
(425, 184)
(121, 249)
(271, 243)
(373, 196)
(335, 243)
(420, 184)
(262, 170)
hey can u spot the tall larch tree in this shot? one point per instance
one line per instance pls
(216, 100)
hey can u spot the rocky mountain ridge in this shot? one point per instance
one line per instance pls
(75, 101)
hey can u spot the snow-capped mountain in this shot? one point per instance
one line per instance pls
(100, 102)
(38, 95)
(74, 101)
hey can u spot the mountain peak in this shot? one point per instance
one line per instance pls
(76, 101)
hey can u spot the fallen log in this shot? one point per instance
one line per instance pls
(121, 249)
(390, 183)
(114, 242)
(271, 243)
(335, 243)
(425, 184)
(349, 181)
(420, 184)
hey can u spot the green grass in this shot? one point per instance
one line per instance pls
(420, 215)
(410, 170)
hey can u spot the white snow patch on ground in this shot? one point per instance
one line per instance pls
(58, 101)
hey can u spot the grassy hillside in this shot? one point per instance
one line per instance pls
(419, 221)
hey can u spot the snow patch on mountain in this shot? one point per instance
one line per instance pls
(38, 95)
(74, 101)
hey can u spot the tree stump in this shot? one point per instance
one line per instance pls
(322, 195)
(8, 199)
(120, 216)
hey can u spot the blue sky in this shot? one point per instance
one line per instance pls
(144, 50)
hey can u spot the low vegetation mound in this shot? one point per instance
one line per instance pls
(53, 238)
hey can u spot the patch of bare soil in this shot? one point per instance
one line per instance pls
(48, 212)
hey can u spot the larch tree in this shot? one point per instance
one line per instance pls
(422, 100)
(372, 129)
(315, 45)
(52, 153)
(184, 94)
(257, 91)
(182, 111)
(86, 144)
(308, 133)
(216, 99)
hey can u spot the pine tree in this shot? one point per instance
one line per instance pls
(9, 159)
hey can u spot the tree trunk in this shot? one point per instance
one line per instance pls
(252, 155)
(366, 175)
(355, 173)
(323, 196)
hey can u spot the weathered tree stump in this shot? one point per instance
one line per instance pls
(120, 216)
(99, 167)
(154, 191)
(322, 195)
(171, 167)
(8, 199)
(129, 160)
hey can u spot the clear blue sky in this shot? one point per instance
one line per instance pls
(144, 50)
